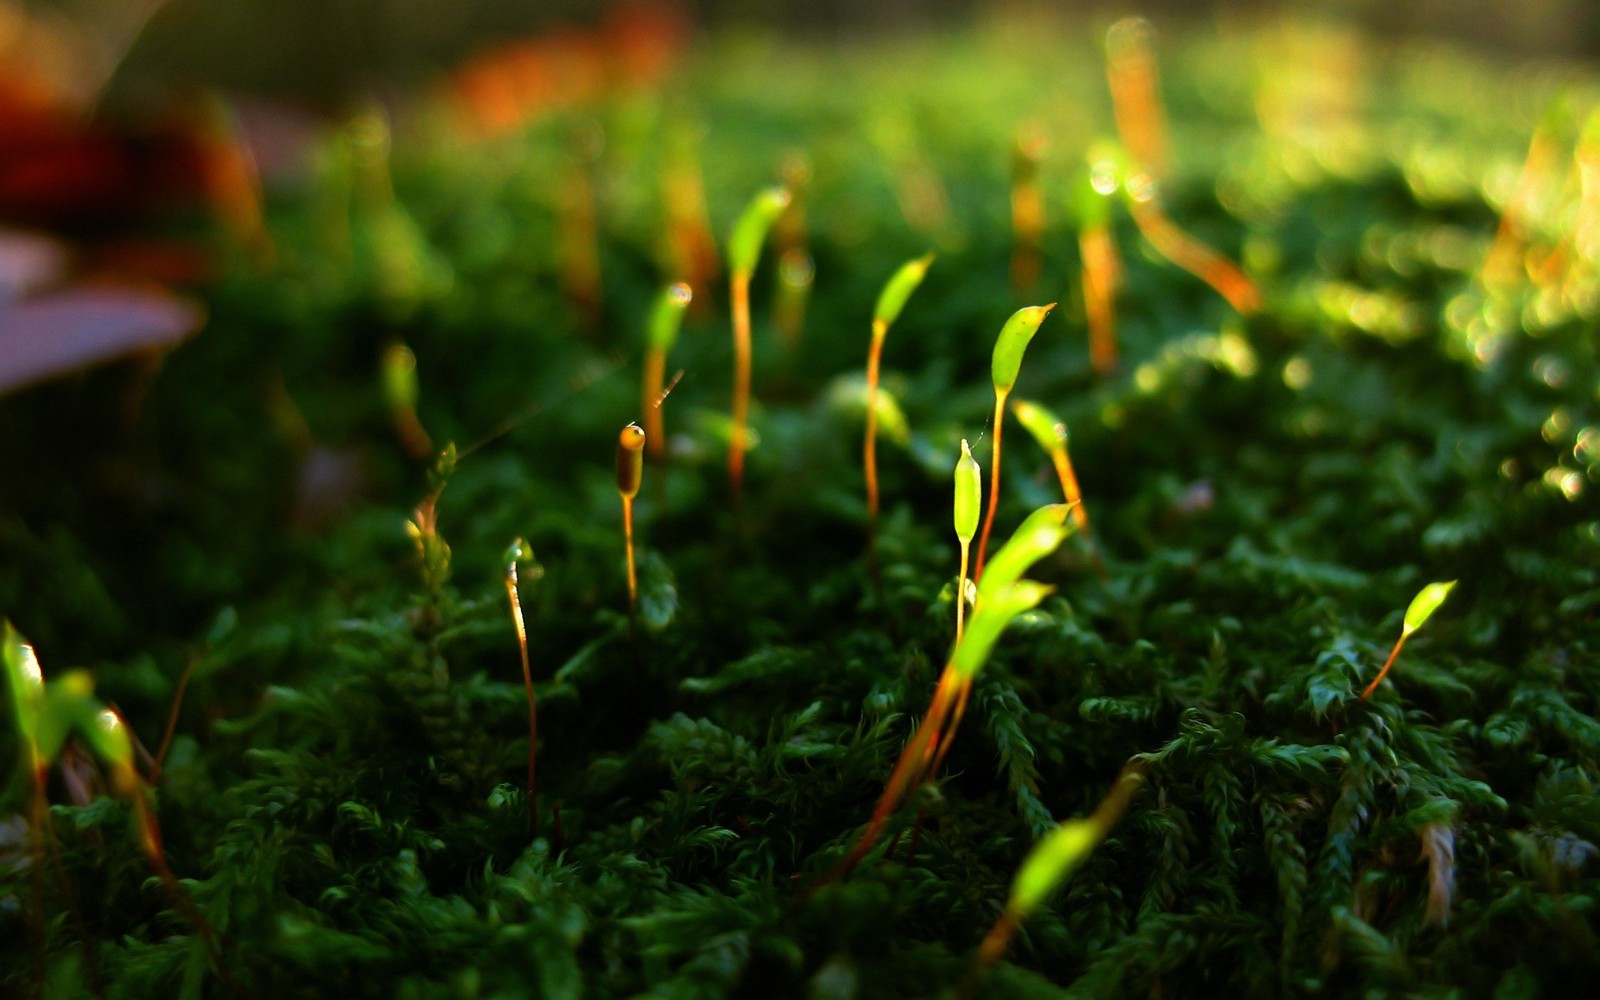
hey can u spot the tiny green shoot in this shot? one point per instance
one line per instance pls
(1418, 612)
(1052, 861)
(401, 392)
(515, 553)
(1005, 366)
(665, 320)
(1051, 433)
(744, 251)
(1000, 601)
(896, 291)
(968, 500)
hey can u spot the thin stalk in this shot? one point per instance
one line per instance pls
(739, 290)
(517, 621)
(994, 481)
(869, 450)
(1189, 253)
(655, 374)
(1099, 253)
(172, 719)
(961, 593)
(630, 476)
(1393, 655)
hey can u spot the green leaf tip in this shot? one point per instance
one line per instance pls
(667, 316)
(1047, 429)
(1038, 536)
(1013, 340)
(1065, 849)
(1425, 604)
(400, 386)
(744, 246)
(897, 290)
(969, 494)
(24, 678)
(995, 610)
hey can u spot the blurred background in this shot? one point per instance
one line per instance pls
(320, 52)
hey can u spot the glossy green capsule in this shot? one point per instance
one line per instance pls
(897, 290)
(1047, 429)
(630, 460)
(1425, 604)
(1012, 342)
(968, 495)
(667, 316)
(744, 246)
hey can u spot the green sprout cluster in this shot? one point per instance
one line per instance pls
(1167, 759)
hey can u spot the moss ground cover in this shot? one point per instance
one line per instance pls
(345, 798)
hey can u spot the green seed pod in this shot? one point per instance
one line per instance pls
(1425, 604)
(1038, 536)
(898, 289)
(1013, 340)
(630, 460)
(25, 680)
(667, 316)
(1046, 428)
(400, 388)
(103, 730)
(744, 246)
(969, 494)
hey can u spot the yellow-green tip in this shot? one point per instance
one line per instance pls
(744, 246)
(1425, 604)
(897, 290)
(1012, 342)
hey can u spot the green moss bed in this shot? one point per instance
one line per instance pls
(344, 797)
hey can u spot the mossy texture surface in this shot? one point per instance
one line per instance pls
(344, 795)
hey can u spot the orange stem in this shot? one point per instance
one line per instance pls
(740, 291)
(1393, 653)
(527, 685)
(633, 578)
(655, 371)
(994, 482)
(1195, 257)
(869, 450)
(1099, 255)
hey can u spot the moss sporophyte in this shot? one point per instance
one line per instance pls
(744, 252)
(518, 552)
(1418, 612)
(660, 334)
(630, 474)
(968, 498)
(1002, 596)
(891, 300)
(1005, 365)
(48, 715)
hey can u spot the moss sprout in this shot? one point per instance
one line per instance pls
(744, 252)
(1005, 366)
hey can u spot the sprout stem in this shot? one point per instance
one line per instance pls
(740, 292)
(994, 480)
(869, 450)
(1099, 253)
(527, 686)
(1393, 655)
(961, 592)
(1189, 253)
